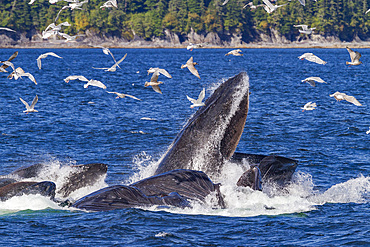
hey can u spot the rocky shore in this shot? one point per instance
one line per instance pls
(171, 40)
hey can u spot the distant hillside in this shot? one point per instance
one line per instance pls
(148, 20)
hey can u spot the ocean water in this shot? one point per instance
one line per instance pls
(327, 203)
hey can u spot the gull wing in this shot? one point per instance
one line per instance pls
(192, 69)
(201, 96)
(225, 2)
(34, 102)
(131, 96)
(353, 54)
(7, 63)
(7, 29)
(52, 54)
(29, 76)
(155, 76)
(38, 62)
(157, 89)
(96, 84)
(191, 99)
(25, 103)
(315, 59)
(318, 79)
(303, 2)
(14, 55)
(268, 4)
(75, 77)
(352, 100)
(304, 27)
(117, 63)
(165, 73)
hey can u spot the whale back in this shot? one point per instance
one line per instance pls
(211, 135)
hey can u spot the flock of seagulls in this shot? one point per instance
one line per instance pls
(355, 60)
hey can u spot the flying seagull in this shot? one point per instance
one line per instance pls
(114, 67)
(305, 29)
(161, 71)
(32, 107)
(4, 66)
(192, 46)
(197, 102)
(89, 82)
(19, 72)
(154, 81)
(309, 106)
(342, 96)
(110, 4)
(106, 51)
(73, 5)
(271, 8)
(234, 52)
(312, 58)
(355, 57)
(44, 56)
(190, 65)
(123, 95)
(311, 80)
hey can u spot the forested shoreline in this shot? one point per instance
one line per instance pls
(149, 19)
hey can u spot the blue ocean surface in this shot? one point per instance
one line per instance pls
(327, 203)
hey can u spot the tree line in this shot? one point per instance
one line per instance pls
(344, 19)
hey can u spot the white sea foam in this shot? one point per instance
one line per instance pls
(54, 171)
(299, 196)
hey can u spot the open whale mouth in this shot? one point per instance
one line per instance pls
(211, 135)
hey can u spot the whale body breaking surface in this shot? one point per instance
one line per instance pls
(185, 173)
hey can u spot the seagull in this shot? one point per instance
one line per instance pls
(114, 67)
(109, 4)
(19, 72)
(271, 8)
(197, 102)
(122, 95)
(58, 27)
(106, 51)
(190, 65)
(68, 37)
(89, 82)
(312, 58)
(368, 132)
(54, 29)
(367, 11)
(4, 66)
(234, 52)
(311, 80)
(305, 29)
(7, 29)
(252, 6)
(72, 6)
(161, 71)
(355, 57)
(192, 46)
(32, 107)
(342, 96)
(44, 56)
(309, 107)
(154, 82)
(7, 63)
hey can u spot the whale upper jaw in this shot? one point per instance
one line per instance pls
(211, 135)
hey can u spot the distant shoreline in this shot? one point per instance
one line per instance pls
(83, 45)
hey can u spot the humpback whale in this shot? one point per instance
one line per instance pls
(25, 181)
(196, 156)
